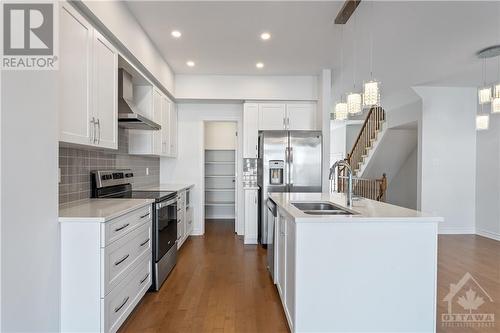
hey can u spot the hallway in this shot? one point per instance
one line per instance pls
(218, 285)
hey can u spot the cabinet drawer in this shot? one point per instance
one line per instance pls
(122, 225)
(120, 257)
(116, 306)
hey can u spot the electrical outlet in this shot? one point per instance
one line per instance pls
(147, 171)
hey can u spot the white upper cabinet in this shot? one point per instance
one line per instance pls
(164, 141)
(173, 130)
(301, 116)
(250, 130)
(272, 116)
(165, 125)
(75, 112)
(88, 81)
(287, 116)
(105, 92)
(157, 118)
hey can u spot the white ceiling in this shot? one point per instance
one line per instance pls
(415, 43)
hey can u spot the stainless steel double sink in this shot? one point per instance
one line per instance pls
(320, 208)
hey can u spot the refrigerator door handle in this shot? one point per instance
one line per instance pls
(290, 158)
(287, 168)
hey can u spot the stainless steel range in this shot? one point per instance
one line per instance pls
(118, 184)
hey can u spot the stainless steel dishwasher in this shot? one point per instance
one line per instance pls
(272, 215)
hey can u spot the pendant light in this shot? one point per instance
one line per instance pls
(341, 107)
(495, 104)
(371, 88)
(354, 100)
(482, 122)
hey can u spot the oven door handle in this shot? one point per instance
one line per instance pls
(160, 205)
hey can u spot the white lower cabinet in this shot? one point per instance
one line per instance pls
(184, 217)
(105, 270)
(285, 256)
(251, 213)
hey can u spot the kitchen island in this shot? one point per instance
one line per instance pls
(373, 270)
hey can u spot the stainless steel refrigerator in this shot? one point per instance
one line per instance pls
(289, 161)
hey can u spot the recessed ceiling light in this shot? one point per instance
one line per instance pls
(265, 35)
(259, 65)
(176, 34)
(190, 63)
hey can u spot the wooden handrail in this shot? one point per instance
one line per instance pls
(368, 132)
(374, 189)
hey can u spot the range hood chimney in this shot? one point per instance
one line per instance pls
(128, 115)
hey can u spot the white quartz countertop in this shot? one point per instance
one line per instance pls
(364, 210)
(99, 210)
(165, 187)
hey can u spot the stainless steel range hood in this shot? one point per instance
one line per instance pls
(128, 115)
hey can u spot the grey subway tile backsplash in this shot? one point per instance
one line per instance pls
(77, 162)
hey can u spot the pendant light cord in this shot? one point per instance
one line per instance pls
(354, 50)
(371, 41)
(341, 61)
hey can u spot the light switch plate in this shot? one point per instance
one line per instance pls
(147, 171)
(59, 175)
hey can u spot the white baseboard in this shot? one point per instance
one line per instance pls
(196, 232)
(488, 234)
(456, 231)
(251, 241)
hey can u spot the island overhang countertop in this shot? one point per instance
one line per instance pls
(363, 210)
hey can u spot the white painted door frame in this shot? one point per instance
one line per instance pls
(239, 200)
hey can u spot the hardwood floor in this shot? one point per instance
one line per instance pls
(218, 285)
(479, 256)
(221, 285)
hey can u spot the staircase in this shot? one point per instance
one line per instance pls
(366, 144)
(369, 136)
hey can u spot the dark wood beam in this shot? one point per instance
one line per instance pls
(346, 11)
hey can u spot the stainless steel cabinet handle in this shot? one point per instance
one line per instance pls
(144, 279)
(122, 227)
(145, 242)
(122, 260)
(144, 216)
(92, 130)
(123, 304)
(98, 123)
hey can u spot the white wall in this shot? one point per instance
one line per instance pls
(220, 135)
(337, 141)
(221, 87)
(448, 156)
(351, 134)
(488, 180)
(188, 167)
(402, 190)
(30, 232)
(325, 107)
(117, 18)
